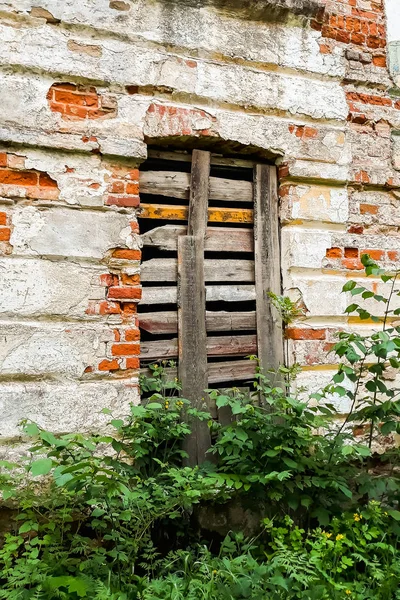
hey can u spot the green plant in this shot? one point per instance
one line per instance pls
(115, 516)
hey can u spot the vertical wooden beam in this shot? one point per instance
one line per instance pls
(267, 266)
(192, 344)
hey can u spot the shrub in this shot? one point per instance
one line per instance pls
(118, 516)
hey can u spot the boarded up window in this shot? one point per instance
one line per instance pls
(209, 227)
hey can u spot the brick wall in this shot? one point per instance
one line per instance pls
(90, 87)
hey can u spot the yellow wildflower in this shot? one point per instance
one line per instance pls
(326, 534)
(357, 517)
(339, 537)
(215, 572)
(348, 592)
(385, 513)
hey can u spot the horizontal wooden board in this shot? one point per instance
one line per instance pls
(216, 159)
(214, 293)
(218, 372)
(180, 213)
(166, 269)
(227, 239)
(237, 345)
(166, 322)
(177, 185)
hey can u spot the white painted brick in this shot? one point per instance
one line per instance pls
(66, 232)
(37, 287)
(51, 349)
(304, 248)
(316, 203)
(62, 407)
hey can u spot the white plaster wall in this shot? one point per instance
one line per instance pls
(393, 20)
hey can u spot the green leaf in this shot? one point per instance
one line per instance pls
(351, 308)
(322, 515)
(28, 526)
(42, 466)
(279, 581)
(154, 405)
(395, 514)
(350, 285)
(290, 463)
(388, 427)
(117, 423)
(31, 429)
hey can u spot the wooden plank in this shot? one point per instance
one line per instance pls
(267, 266)
(226, 239)
(191, 300)
(216, 159)
(177, 185)
(180, 213)
(166, 269)
(218, 372)
(236, 370)
(214, 293)
(166, 322)
(231, 345)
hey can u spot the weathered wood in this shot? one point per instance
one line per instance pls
(180, 213)
(166, 269)
(214, 293)
(218, 372)
(267, 266)
(216, 159)
(177, 185)
(166, 322)
(191, 300)
(236, 345)
(218, 239)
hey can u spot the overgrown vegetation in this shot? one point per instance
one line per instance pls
(118, 516)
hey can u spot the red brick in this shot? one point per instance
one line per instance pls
(132, 188)
(362, 177)
(3, 218)
(374, 254)
(132, 335)
(127, 254)
(132, 363)
(351, 252)
(325, 49)
(73, 98)
(128, 201)
(393, 255)
(117, 187)
(334, 253)
(5, 233)
(379, 61)
(130, 309)
(21, 178)
(108, 279)
(369, 209)
(130, 279)
(109, 365)
(46, 181)
(352, 264)
(109, 308)
(125, 293)
(294, 333)
(359, 229)
(3, 159)
(79, 112)
(125, 349)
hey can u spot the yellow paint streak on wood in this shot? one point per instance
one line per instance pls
(180, 213)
